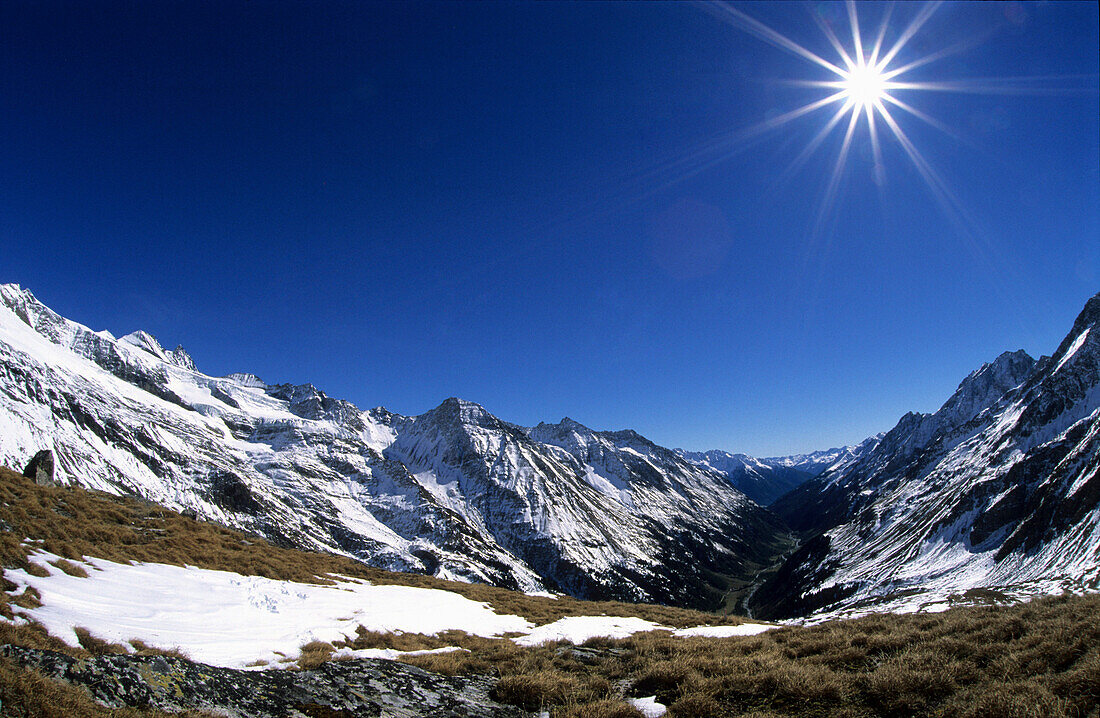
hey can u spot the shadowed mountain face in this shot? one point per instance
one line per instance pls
(454, 492)
(997, 490)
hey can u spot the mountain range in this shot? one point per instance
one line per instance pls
(995, 494)
(454, 492)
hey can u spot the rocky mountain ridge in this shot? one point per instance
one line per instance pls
(454, 492)
(998, 491)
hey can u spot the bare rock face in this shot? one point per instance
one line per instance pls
(40, 469)
(364, 687)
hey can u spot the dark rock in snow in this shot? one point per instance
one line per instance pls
(40, 469)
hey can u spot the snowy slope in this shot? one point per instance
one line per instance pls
(454, 492)
(221, 618)
(997, 490)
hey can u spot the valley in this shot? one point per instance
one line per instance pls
(547, 570)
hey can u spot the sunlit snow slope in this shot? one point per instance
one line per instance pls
(454, 492)
(996, 493)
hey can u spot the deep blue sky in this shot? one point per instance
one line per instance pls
(545, 208)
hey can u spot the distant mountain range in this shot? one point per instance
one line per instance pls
(765, 480)
(997, 491)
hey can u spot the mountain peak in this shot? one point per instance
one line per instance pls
(148, 343)
(1084, 334)
(246, 379)
(463, 411)
(1089, 316)
(985, 385)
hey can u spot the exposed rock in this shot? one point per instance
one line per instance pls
(40, 469)
(997, 490)
(364, 687)
(230, 492)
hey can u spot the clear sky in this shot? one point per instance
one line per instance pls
(558, 209)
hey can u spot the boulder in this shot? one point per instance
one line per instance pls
(40, 469)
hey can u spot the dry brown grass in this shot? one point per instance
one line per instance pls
(97, 646)
(70, 568)
(601, 709)
(143, 649)
(1037, 660)
(314, 654)
(37, 569)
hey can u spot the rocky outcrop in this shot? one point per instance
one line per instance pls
(340, 689)
(40, 469)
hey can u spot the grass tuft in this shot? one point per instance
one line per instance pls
(70, 568)
(97, 646)
(314, 653)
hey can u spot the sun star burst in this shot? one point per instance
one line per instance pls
(863, 85)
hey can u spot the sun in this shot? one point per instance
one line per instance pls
(868, 86)
(864, 82)
(864, 85)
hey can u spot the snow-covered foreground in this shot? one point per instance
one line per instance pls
(226, 619)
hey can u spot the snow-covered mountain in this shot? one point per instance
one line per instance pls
(816, 462)
(454, 492)
(997, 492)
(756, 478)
(765, 480)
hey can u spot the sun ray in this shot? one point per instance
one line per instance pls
(921, 18)
(940, 190)
(814, 143)
(1020, 85)
(878, 170)
(923, 116)
(857, 43)
(834, 180)
(753, 26)
(959, 47)
(834, 41)
(873, 60)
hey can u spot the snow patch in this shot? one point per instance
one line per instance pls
(648, 706)
(388, 654)
(578, 629)
(1077, 343)
(744, 629)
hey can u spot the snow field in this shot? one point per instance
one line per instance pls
(226, 619)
